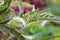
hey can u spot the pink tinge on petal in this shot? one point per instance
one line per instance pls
(38, 4)
(35, 1)
(26, 10)
(42, 8)
(39, 9)
(16, 9)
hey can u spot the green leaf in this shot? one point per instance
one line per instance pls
(35, 27)
(55, 9)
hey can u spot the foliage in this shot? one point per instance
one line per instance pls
(29, 24)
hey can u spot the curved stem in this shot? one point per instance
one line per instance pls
(14, 32)
(56, 19)
(21, 8)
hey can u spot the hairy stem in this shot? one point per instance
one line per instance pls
(14, 32)
(21, 8)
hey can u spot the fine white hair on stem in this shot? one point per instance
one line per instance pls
(33, 9)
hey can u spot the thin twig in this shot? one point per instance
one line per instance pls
(21, 8)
